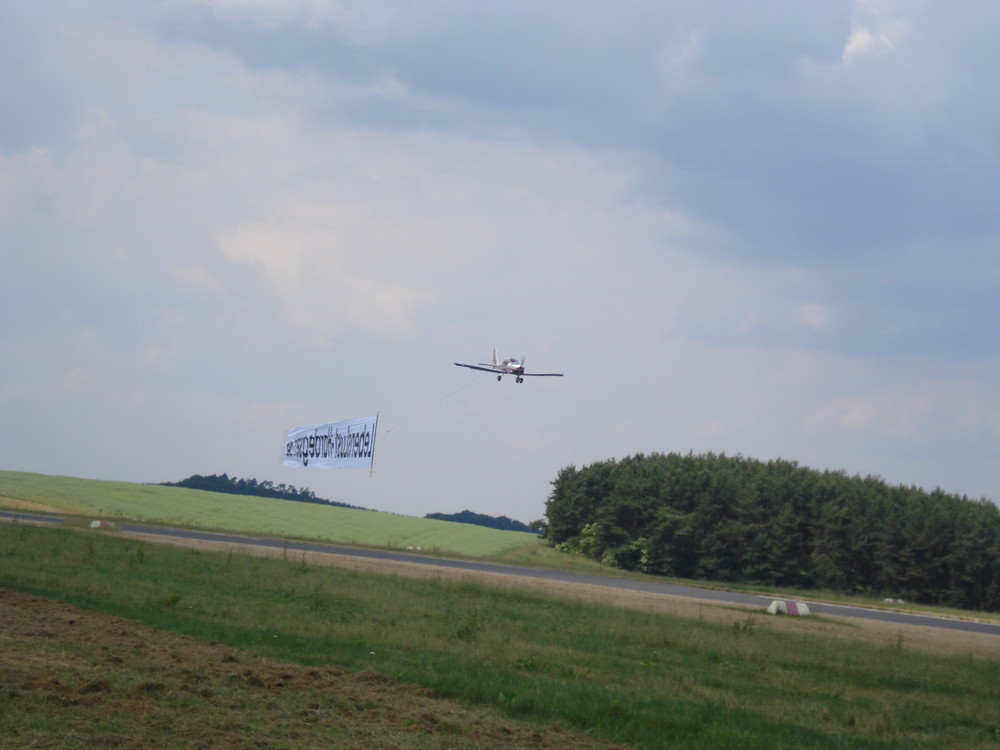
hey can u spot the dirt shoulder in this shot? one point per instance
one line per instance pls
(78, 678)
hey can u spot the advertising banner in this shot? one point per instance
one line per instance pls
(348, 444)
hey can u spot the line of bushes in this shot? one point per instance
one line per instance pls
(731, 518)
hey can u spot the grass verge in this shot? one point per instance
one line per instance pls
(625, 676)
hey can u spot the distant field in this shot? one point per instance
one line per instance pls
(284, 518)
(256, 515)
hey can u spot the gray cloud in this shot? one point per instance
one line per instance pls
(735, 228)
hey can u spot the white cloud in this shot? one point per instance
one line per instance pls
(914, 413)
(361, 19)
(197, 277)
(327, 272)
(818, 317)
(676, 59)
(879, 28)
(865, 42)
(850, 413)
(24, 179)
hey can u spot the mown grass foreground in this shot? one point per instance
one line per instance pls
(650, 680)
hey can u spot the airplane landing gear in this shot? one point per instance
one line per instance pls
(498, 378)
(519, 380)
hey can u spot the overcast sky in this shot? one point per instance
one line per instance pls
(769, 229)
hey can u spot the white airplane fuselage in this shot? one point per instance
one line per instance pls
(509, 366)
(512, 366)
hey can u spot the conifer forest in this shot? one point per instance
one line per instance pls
(736, 519)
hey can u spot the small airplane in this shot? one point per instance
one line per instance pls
(509, 366)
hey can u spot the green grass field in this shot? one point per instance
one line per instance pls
(258, 515)
(627, 676)
(283, 518)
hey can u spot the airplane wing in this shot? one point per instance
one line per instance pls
(501, 371)
(477, 367)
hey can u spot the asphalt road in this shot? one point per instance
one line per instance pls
(653, 587)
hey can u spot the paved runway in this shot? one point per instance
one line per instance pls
(653, 587)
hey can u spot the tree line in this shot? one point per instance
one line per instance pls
(491, 522)
(236, 486)
(736, 519)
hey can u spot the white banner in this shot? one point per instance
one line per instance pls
(349, 444)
